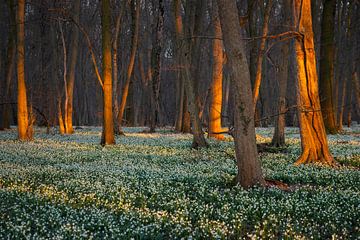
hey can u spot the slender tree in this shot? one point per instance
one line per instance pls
(130, 68)
(216, 86)
(326, 80)
(108, 121)
(156, 66)
(74, 45)
(9, 68)
(249, 169)
(283, 69)
(25, 130)
(259, 61)
(313, 136)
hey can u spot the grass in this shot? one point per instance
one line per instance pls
(153, 186)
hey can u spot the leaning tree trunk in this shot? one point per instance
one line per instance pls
(249, 169)
(278, 139)
(259, 61)
(24, 125)
(216, 85)
(327, 67)
(312, 130)
(108, 121)
(134, 45)
(71, 76)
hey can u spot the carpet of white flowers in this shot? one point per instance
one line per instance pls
(153, 186)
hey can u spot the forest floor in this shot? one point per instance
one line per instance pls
(153, 186)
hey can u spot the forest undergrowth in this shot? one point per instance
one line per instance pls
(154, 186)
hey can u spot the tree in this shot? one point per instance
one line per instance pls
(156, 67)
(327, 67)
(71, 76)
(216, 85)
(283, 65)
(313, 136)
(182, 122)
(184, 54)
(249, 169)
(108, 121)
(25, 130)
(130, 68)
(260, 58)
(9, 68)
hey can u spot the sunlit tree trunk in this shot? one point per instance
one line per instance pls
(279, 133)
(249, 169)
(108, 122)
(71, 76)
(134, 45)
(313, 136)
(259, 61)
(9, 68)
(182, 123)
(327, 66)
(216, 85)
(25, 131)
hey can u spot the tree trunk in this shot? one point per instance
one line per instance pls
(260, 58)
(108, 122)
(185, 60)
(72, 71)
(355, 83)
(25, 131)
(313, 136)
(156, 67)
(115, 47)
(216, 86)
(342, 104)
(134, 45)
(249, 169)
(278, 139)
(182, 123)
(327, 67)
(9, 68)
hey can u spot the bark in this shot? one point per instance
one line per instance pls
(185, 60)
(312, 130)
(134, 45)
(260, 57)
(9, 68)
(62, 120)
(156, 67)
(25, 131)
(182, 123)
(115, 47)
(71, 76)
(216, 86)
(327, 67)
(355, 83)
(249, 169)
(108, 121)
(278, 139)
(342, 104)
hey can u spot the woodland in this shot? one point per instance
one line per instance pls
(179, 119)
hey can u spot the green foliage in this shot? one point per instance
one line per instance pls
(154, 186)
